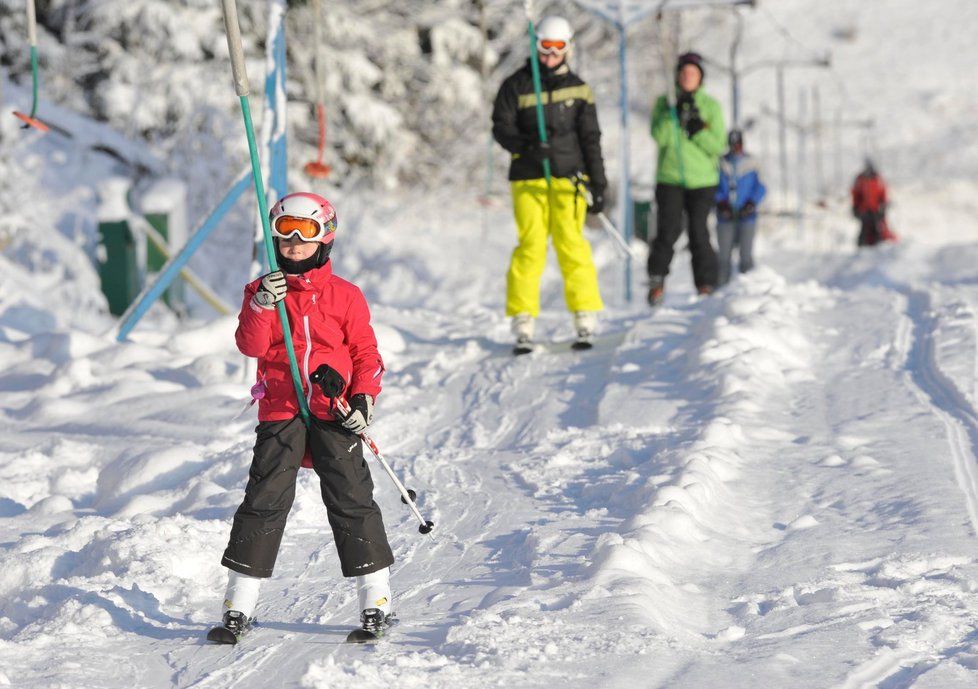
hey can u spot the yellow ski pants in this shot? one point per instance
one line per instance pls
(557, 213)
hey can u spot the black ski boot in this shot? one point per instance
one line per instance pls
(524, 345)
(585, 323)
(373, 625)
(235, 624)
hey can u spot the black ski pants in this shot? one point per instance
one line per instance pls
(347, 490)
(672, 201)
(869, 228)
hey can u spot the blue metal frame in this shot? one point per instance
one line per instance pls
(276, 143)
(625, 192)
(155, 290)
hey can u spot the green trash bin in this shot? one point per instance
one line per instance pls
(117, 269)
(642, 212)
(155, 260)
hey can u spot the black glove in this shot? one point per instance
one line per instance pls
(724, 210)
(856, 213)
(537, 151)
(747, 210)
(361, 414)
(597, 200)
(685, 102)
(689, 115)
(695, 124)
(271, 291)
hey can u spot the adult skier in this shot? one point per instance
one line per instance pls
(869, 199)
(739, 193)
(557, 207)
(690, 141)
(330, 324)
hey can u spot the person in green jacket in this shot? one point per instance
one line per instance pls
(690, 140)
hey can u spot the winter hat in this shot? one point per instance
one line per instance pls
(691, 58)
(735, 138)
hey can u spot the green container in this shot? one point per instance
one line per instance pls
(154, 257)
(118, 271)
(155, 260)
(642, 212)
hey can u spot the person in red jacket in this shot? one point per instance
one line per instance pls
(869, 206)
(330, 324)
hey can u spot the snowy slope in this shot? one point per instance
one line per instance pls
(776, 485)
(776, 482)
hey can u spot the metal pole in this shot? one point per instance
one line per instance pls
(802, 142)
(817, 132)
(537, 88)
(734, 75)
(782, 136)
(625, 192)
(273, 126)
(837, 145)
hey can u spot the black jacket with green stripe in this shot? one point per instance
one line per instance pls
(570, 117)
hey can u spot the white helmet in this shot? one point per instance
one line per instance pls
(310, 216)
(551, 33)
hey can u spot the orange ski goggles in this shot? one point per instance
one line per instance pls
(551, 47)
(308, 229)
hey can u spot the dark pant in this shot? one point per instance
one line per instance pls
(347, 490)
(739, 233)
(869, 228)
(672, 200)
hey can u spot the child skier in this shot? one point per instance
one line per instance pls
(738, 195)
(330, 325)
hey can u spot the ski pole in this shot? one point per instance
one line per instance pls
(242, 88)
(609, 227)
(332, 384)
(31, 119)
(537, 85)
(606, 224)
(407, 495)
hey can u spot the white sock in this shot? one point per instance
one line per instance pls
(242, 593)
(374, 590)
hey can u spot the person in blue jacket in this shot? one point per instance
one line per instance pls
(739, 193)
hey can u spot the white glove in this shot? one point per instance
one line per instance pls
(361, 414)
(272, 290)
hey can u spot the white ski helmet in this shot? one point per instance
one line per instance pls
(554, 35)
(318, 214)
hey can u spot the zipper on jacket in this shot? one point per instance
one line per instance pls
(305, 359)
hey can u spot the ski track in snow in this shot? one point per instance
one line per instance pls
(957, 414)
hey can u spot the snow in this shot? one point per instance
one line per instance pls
(777, 482)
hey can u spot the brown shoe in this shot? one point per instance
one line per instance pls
(705, 290)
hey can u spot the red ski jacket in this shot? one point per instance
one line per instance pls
(330, 324)
(868, 194)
